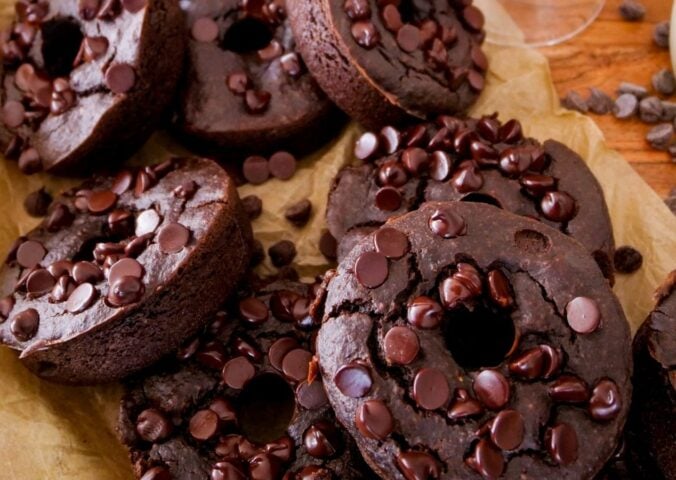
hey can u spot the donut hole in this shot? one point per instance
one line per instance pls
(265, 408)
(531, 241)
(62, 38)
(247, 35)
(481, 198)
(478, 337)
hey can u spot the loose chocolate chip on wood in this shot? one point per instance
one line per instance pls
(661, 34)
(626, 106)
(299, 213)
(253, 206)
(574, 101)
(36, 203)
(282, 253)
(664, 82)
(599, 102)
(638, 91)
(632, 10)
(660, 136)
(650, 110)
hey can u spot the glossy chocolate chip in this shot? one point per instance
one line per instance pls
(322, 439)
(357, 9)
(401, 345)
(492, 389)
(299, 213)
(507, 430)
(24, 325)
(39, 282)
(569, 389)
(529, 364)
(605, 402)
(296, 363)
(124, 267)
(120, 78)
(173, 237)
(371, 269)
(537, 184)
(391, 17)
(440, 166)
(203, 425)
(279, 349)
(282, 165)
(237, 372)
(390, 139)
(153, 426)
(374, 420)
(408, 38)
(37, 203)
(282, 253)
(311, 395)
(121, 222)
(81, 298)
(157, 473)
(388, 199)
(125, 291)
(257, 101)
(366, 146)
(253, 310)
(558, 206)
(583, 315)
(354, 380)
(499, 289)
(424, 312)
(30, 253)
(561, 443)
(365, 34)
(392, 174)
(86, 272)
(415, 160)
(430, 389)
(486, 459)
(224, 409)
(447, 224)
(282, 448)
(418, 465)
(467, 178)
(391, 242)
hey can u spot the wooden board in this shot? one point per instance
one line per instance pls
(608, 52)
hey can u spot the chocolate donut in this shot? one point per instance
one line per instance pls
(84, 82)
(123, 270)
(242, 401)
(387, 61)
(475, 160)
(246, 88)
(651, 430)
(462, 341)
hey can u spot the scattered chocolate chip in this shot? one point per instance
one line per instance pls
(374, 420)
(299, 213)
(125, 267)
(203, 425)
(626, 106)
(418, 465)
(424, 312)
(328, 245)
(664, 82)
(599, 102)
(632, 10)
(366, 146)
(25, 324)
(39, 282)
(153, 426)
(507, 429)
(447, 224)
(37, 203)
(311, 395)
(499, 289)
(388, 199)
(492, 389)
(253, 206)
(660, 136)
(322, 439)
(238, 83)
(125, 291)
(401, 345)
(120, 78)
(661, 34)
(574, 101)
(561, 443)
(6, 306)
(391, 242)
(101, 201)
(256, 170)
(627, 259)
(30, 253)
(357, 9)
(296, 364)
(583, 315)
(282, 165)
(147, 222)
(486, 459)
(365, 34)
(650, 110)
(237, 372)
(282, 254)
(186, 190)
(354, 380)
(204, 30)
(430, 389)
(569, 389)
(605, 402)
(371, 269)
(30, 161)
(558, 206)
(408, 38)
(173, 237)
(81, 298)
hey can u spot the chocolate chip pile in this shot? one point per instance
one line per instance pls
(427, 34)
(253, 365)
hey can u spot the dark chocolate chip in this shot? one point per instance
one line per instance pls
(561, 443)
(328, 245)
(569, 389)
(257, 101)
(418, 466)
(37, 203)
(632, 10)
(371, 269)
(203, 425)
(365, 34)
(599, 102)
(467, 178)
(101, 201)
(391, 242)
(173, 237)
(366, 146)
(664, 82)
(392, 174)
(661, 34)
(311, 395)
(390, 139)
(30, 253)
(605, 402)
(391, 17)
(424, 312)
(430, 389)
(296, 363)
(30, 161)
(157, 473)
(463, 406)
(279, 349)
(510, 132)
(357, 9)
(282, 253)
(499, 289)
(86, 272)
(125, 291)
(291, 64)
(492, 389)
(238, 83)
(408, 38)
(650, 110)
(626, 106)
(583, 315)
(322, 439)
(253, 310)
(25, 324)
(299, 213)
(256, 170)
(123, 268)
(401, 346)
(486, 459)
(627, 259)
(574, 101)
(204, 30)
(660, 136)
(528, 365)
(81, 298)
(440, 166)
(558, 206)
(237, 372)
(253, 206)
(374, 420)
(282, 165)
(354, 380)
(153, 426)
(120, 78)
(447, 224)
(473, 18)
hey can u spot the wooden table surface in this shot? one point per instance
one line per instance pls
(608, 52)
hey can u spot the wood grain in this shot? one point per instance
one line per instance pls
(610, 51)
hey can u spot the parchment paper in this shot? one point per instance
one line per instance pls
(54, 432)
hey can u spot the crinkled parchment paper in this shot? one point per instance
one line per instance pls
(53, 432)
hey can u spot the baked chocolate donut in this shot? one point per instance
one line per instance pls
(242, 401)
(85, 81)
(387, 61)
(651, 430)
(123, 270)
(462, 341)
(475, 160)
(245, 87)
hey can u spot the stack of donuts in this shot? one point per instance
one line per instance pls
(465, 327)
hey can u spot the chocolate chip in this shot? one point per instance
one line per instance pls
(583, 315)
(86, 272)
(39, 282)
(486, 459)
(374, 420)
(253, 206)
(661, 34)
(440, 166)
(256, 170)
(203, 425)
(569, 389)
(296, 363)
(424, 312)
(510, 132)
(62, 289)
(371, 269)
(291, 64)
(186, 190)
(365, 34)
(492, 389)
(311, 396)
(282, 253)
(366, 146)
(205, 30)
(120, 78)
(299, 213)
(473, 18)
(599, 102)
(238, 83)
(30, 161)
(390, 138)
(460, 287)
(173, 237)
(528, 365)
(660, 136)
(153, 426)
(430, 389)
(237, 372)
(123, 268)
(253, 310)
(282, 165)
(632, 10)
(328, 245)
(476, 80)
(408, 38)
(401, 346)
(499, 289)
(391, 242)
(558, 206)
(574, 101)
(13, 114)
(257, 101)
(81, 298)
(626, 106)
(388, 199)
(101, 201)
(357, 9)
(125, 291)
(467, 178)
(650, 110)
(447, 224)
(157, 473)
(37, 203)
(322, 440)
(664, 82)
(25, 324)
(6, 306)
(30, 253)
(353, 380)
(418, 466)
(561, 443)
(605, 402)
(415, 160)
(279, 349)
(637, 91)
(627, 259)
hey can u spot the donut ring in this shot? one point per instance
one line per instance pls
(491, 344)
